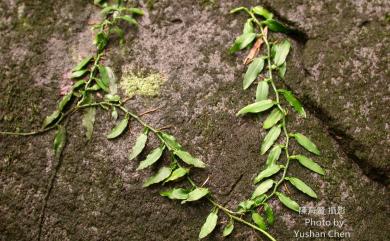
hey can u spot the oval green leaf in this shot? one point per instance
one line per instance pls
(262, 188)
(160, 176)
(190, 160)
(270, 139)
(262, 12)
(151, 158)
(209, 225)
(309, 164)
(301, 186)
(291, 204)
(262, 91)
(139, 145)
(176, 193)
(269, 214)
(82, 64)
(256, 107)
(178, 173)
(273, 118)
(253, 71)
(306, 143)
(118, 129)
(228, 228)
(280, 52)
(241, 42)
(294, 102)
(269, 171)
(196, 194)
(273, 155)
(78, 74)
(170, 141)
(259, 221)
(248, 27)
(275, 26)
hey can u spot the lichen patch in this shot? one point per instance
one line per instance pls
(138, 83)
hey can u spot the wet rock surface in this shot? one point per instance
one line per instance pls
(338, 68)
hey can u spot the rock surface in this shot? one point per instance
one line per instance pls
(338, 68)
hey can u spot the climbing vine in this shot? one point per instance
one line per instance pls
(95, 87)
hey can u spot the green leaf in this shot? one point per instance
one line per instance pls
(139, 144)
(78, 74)
(256, 107)
(178, 173)
(253, 71)
(290, 98)
(228, 228)
(112, 98)
(245, 206)
(273, 155)
(262, 188)
(259, 200)
(306, 143)
(269, 214)
(104, 78)
(129, 20)
(275, 26)
(78, 84)
(270, 139)
(280, 52)
(49, 119)
(301, 186)
(160, 176)
(59, 141)
(196, 194)
(190, 160)
(176, 193)
(151, 158)
(273, 118)
(282, 70)
(170, 141)
(262, 12)
(237, 9)
(309, 164)
(248, 27)
(259, 221)
(262, 91)
(88, 121)
(137, 11)
(102, 86)
(269, 171)
(101, 40)
(82, 64)
(61, 105)
(241, 42)
(291, 204)
(118, 129)
(209, 225)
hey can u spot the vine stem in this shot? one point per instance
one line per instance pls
(284, 127)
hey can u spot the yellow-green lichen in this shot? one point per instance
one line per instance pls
(134, 83)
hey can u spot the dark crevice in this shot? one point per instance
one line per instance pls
(234, 185)
(346, 142)
(47, 196)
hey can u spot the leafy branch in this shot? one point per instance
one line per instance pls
(95, 87)
(274, 60)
